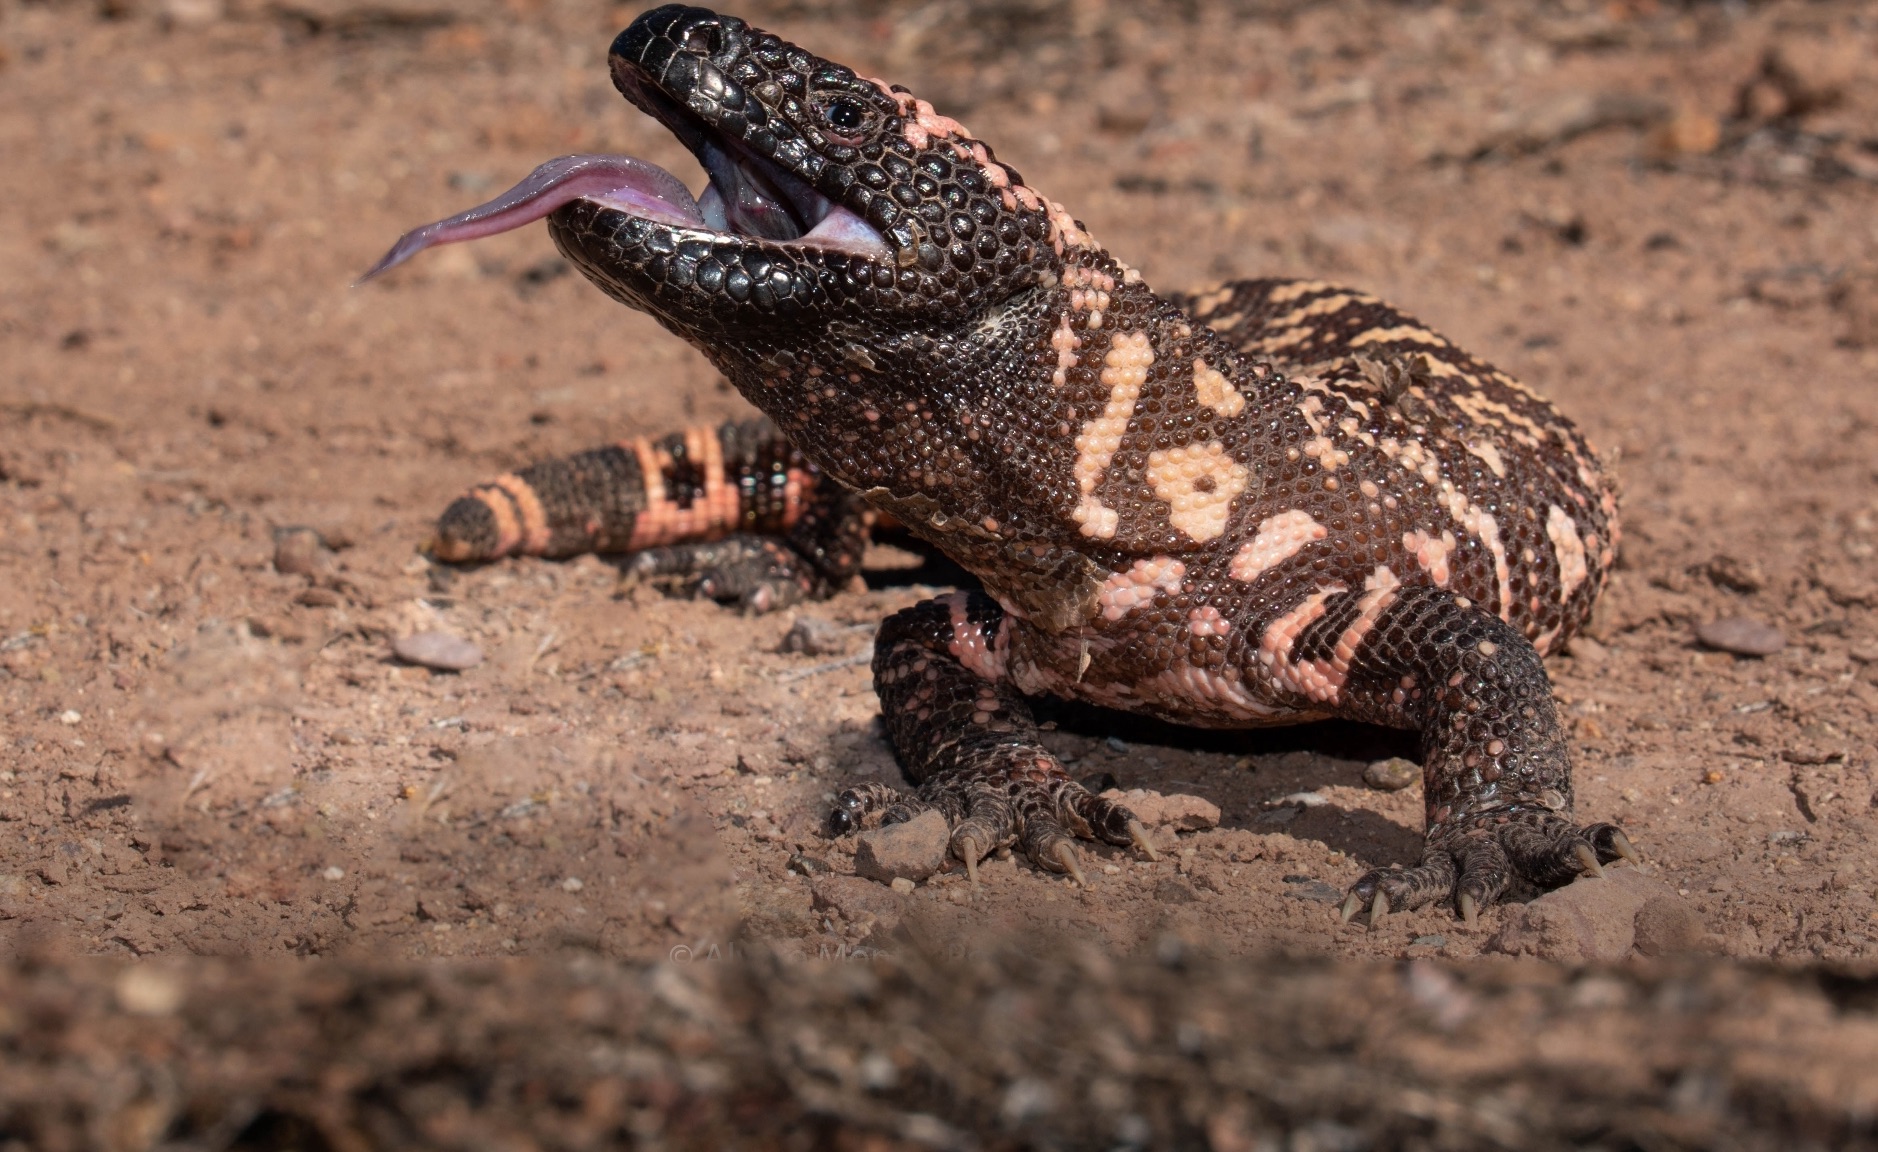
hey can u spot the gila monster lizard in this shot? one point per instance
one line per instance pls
(1276, 501)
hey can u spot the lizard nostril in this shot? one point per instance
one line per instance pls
(705, 39)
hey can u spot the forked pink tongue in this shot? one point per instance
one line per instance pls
(633, 186)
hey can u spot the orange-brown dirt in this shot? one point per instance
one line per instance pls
(1664, 217)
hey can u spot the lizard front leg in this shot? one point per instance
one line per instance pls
(1496, 769)
(967, 740)
(735, 510)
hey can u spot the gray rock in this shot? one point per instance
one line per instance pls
(910, 851)
(1602, 920)
(444, 651)
(1742, 635)
(1392, 775)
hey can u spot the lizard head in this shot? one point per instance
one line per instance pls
(831, 196)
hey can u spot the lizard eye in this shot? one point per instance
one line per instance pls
(847, 119)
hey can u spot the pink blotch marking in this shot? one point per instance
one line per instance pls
(1431, 553)
(1123, 592)
(1323, 680)
(986, 657)
(1206, 621)
(1277, 540)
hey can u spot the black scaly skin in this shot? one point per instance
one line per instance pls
(1272, 502)
(973, 743)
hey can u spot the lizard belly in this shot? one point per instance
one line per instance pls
(1110, 668)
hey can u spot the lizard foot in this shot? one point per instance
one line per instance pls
(1476, 860)
(1035, 807)
(756, 574)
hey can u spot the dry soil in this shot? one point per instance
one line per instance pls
(1662, 216)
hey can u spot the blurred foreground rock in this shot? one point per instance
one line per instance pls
(1056, 1046)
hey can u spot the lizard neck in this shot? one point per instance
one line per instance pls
(1085, 409)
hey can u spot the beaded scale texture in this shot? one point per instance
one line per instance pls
(1269, 502)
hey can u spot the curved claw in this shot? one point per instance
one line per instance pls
(1588, 860)
(1625, 850)
(968, 852)
(1378, 911)
(1139, 834)
(1351, 906)
(1066, 856)
(1470, 909)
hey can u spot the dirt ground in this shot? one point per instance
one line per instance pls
(1665, 217)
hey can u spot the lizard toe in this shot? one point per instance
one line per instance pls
(1040, 813)
(1400, 889)
(856, 806)
(1475, 863)
(1551, 851)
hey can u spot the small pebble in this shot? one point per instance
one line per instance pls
(803, 865)
(334, 872)
(1741, 635)
(299, 551)
(1392, 775)
(1306, 888)
(148, 991)
(69, 717)
(902, 885)
(572, 884)
(441, 650)
(815, 637)
(1297, 800)
(1589, 650)
(1429, 942)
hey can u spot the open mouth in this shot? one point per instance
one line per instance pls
(747, 196)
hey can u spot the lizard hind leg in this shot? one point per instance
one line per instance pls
(967, 740)
(1497, 770)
